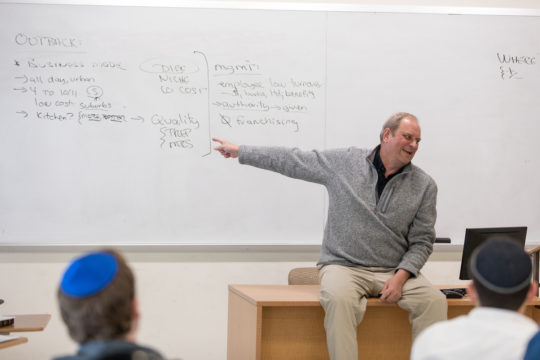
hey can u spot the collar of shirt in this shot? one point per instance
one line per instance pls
(381, 170)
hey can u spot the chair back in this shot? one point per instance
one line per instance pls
(304, 276)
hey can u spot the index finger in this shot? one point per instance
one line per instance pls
(221, 141)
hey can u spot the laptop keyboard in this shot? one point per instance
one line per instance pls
(454, 293)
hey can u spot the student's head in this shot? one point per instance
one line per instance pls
(501, 271)
(400, 137)
(97, 297)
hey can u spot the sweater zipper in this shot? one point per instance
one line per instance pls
(385, 201)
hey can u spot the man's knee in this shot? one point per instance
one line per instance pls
(426, 301)
(434, 307)
(425, 308)
(343, 307)
(438, 300)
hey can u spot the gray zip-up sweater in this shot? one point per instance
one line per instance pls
(395, 231)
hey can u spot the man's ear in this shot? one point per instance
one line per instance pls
(533, 290)
(131, 335)
(471, 293)
(386, 134)
(135, 309)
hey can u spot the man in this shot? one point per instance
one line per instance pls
(495, 329)
(379, 230)
(98, 305)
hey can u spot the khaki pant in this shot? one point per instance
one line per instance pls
(343, 296)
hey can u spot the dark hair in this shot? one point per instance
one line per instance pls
(501, 272)
(105, 315)
(490, 298)
(393, 122)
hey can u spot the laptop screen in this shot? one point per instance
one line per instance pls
(476, 237)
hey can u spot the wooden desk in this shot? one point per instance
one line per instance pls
(35, 322)
(287, 322)
(13, 342)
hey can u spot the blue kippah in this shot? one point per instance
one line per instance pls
(502, 266)
(89, 274)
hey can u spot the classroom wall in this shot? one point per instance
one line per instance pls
(182, 293)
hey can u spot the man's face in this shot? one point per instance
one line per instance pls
(403, 144)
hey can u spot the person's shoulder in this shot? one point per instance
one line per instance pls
(435, 330)
(344, 158)
(132, 351)
(348, 151)
(442, 328)
(66, 357)
(113, 349)
(428, 341)
(536, 339)
(421, 174)
(151, 354)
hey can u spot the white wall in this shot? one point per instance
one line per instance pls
(182, 295)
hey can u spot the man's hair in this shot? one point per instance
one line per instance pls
(393, 122)
(501, 272)
(489, 298)
(105, 315)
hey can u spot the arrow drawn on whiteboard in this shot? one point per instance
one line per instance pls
(21, 89)
(24, 77)
(23, 113)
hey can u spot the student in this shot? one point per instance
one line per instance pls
(495, 329)
(379, 231)
(98, 305)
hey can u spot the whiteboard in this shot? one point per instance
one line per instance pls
(108, 114)
(474, 83)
